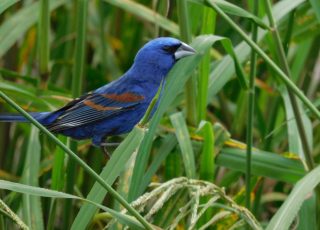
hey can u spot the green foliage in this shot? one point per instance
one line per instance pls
(168, 170)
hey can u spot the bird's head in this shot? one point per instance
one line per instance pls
(161, 54)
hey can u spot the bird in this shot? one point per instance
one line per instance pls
(116, 107)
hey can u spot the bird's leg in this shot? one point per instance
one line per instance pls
(104, 146)
(105, 151)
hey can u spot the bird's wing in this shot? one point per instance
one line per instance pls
(93, 107)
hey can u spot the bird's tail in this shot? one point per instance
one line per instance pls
(19, 118)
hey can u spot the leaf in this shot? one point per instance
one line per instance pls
(289, 209)
(207, 168)
(316, 7)
(165, 149)
(31, 205)
(263, 164)
(5, 4)
(183, 137)
(232, 9)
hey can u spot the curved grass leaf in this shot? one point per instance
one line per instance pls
(42, 192)
(183, 137)
(263, 164)
(289, 209)
(5, 4)
(232, 9)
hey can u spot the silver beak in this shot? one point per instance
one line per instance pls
(183, 51)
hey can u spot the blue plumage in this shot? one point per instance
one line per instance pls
(117, 107)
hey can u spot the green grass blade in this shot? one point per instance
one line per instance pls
(316, 7)
(5, 4)
(232, 9)
(289, 209)
(263, 164)
(43, 39)
(251, 110)
(32, 210)
(165, 149)
(109, 174)
(183, 137)
(208, 27)
(207, 168)
(190, 88)
(79, 55)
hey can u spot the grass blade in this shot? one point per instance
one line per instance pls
(251, 101)
(5, 4)
(43, 38)
(183, 137)
(32, 210)
(289, 209)
(263, 164)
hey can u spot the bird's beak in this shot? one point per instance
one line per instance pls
(183, 51)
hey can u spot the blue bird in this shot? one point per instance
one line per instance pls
(117, 107)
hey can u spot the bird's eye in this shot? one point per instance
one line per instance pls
(170, 49)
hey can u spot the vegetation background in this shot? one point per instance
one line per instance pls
(242, 114)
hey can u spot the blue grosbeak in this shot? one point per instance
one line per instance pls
(117, 107)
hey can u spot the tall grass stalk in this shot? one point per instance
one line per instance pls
(77, 82)
(208, 27)
(251, 100)
(190, 88)
(268, 60)
(43, 38)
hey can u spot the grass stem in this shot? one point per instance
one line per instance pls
(251, 100)
(190, 89)
(43, 38)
